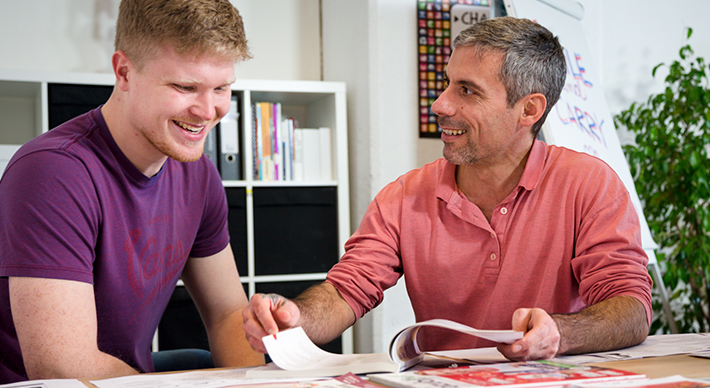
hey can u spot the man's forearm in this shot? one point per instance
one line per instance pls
(100, 366)
(324, 313)
(229, 346)
(615, 323)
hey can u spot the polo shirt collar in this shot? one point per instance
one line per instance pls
(534, 166)
(446, 187)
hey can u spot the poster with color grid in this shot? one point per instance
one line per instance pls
(439, 21)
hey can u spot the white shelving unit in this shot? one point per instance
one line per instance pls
(24, 109)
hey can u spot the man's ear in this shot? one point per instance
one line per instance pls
(122, 66)
(533, 108)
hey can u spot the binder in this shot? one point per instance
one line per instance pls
(210, 149)
(311, 154)
(230, 161)
(326, 162)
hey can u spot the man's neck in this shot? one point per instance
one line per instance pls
(115, 120)
(487, 186)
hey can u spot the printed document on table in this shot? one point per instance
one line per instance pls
(53, 383)
(207, 378)
(653, 346)
(675, 381)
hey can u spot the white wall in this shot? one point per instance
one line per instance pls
(639, 34)
(371, 45)
(77, 36)
(367, 44)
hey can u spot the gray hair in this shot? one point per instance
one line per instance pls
(534, 61)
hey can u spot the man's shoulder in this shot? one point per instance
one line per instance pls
(424, 180)
(428, 173)
(568, 168)
(68, 137)
(562, 158)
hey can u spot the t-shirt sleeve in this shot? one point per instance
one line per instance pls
(610, 259)
(371, 263)
(213, 234)
(49, 218)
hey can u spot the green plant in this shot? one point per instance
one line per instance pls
(671, 170)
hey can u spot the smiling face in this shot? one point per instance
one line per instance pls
(171, 103)
(477, 124)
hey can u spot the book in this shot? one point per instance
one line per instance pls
(513, 374)
(298, 171)
(294, 355)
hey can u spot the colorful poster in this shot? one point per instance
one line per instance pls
(439, 21)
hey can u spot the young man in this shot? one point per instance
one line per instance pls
(101, 216)
(504, 232)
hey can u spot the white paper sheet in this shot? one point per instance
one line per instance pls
(53, 383)
(653, 346)
(296, 355)
(211, 378)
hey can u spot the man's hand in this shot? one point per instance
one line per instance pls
(614, 323)
(541, 339)
(268, 314)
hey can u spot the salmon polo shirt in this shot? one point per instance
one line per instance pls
(567, 237)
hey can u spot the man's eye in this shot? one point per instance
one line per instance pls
(183, 87)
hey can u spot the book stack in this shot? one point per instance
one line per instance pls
(282, 151)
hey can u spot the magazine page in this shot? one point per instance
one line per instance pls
(405, 352)
(295, 355)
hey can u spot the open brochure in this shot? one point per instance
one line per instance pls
(405, 352)
(513, 374)
(294, 355)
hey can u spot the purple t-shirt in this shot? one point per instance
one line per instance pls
(72, 206)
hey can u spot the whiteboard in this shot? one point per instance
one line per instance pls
(581, 120)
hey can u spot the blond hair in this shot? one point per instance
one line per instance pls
(195, 27)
